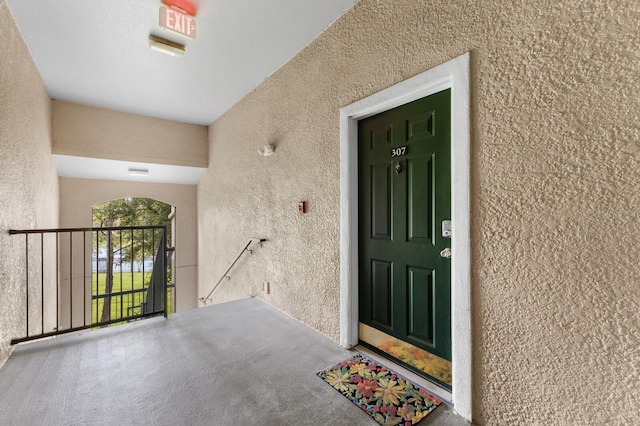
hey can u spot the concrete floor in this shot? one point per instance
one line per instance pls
(238, 363)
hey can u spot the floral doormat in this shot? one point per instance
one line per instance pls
(388, 398)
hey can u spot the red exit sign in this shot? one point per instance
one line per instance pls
(174, 20)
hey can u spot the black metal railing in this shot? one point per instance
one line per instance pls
(205, 299)
(79, 278)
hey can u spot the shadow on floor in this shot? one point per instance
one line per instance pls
(237, 363)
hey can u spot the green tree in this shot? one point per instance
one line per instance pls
(131, 244)
(132, 212)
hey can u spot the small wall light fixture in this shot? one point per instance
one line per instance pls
(267, 150)
(138, 172)
(165, 46)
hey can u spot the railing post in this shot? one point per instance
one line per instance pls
(57, 257)
(42, 282)
(26, 236)
(164, 269)
(70, 279)
(84, 278)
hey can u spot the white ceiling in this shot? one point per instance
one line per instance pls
(96, 168)
(95, 52)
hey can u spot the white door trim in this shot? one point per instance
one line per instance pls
(454, 75)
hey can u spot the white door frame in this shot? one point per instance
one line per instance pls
(454, 75)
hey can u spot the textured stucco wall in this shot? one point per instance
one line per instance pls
(78, 196)
(555, 201)
(28, 178)
(84, 131)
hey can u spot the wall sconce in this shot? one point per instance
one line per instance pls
(267, 150)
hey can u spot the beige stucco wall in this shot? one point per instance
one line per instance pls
(84, 131)
(78, 196)
(28, 178)
(555, 202)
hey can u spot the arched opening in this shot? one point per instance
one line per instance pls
(132, 260)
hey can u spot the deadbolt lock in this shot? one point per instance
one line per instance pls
(446, 229)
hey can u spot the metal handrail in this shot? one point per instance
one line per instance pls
(92, 229)
(246, 248)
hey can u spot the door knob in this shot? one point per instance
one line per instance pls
(446, 253)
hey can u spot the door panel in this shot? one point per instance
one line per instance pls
(421, 126)
(420, 200)
(381, 294)
(420, 307)
(405, 194)
(381, 137)
(381, 201)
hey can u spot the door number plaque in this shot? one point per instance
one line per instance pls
(397, 152)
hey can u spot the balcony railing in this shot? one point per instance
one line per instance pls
(80, 278)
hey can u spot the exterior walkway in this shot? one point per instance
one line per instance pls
(237, 363)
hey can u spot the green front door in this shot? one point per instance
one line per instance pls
(405, 199)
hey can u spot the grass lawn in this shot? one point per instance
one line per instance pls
(123, 305)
